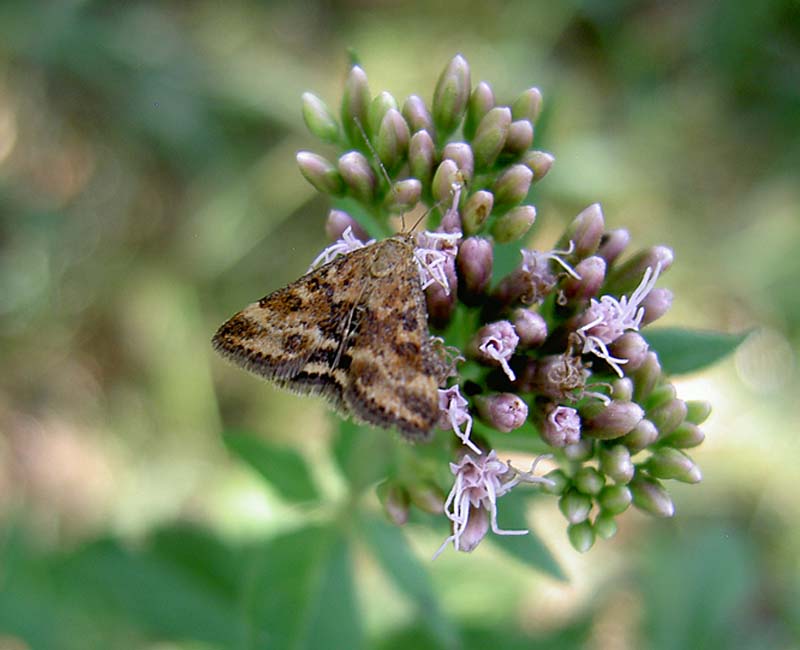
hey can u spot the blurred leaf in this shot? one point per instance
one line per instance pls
(362, 453)
(681, 351)
(282, 467)
(390, 548)
(529, 549)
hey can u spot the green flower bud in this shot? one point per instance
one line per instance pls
(377, 110)
(643, 435)
(358, 175)
(444, 179)
(589, 481)
(490, 137)
(320, 173)
(604, 526)
(610, 421)
(627, 276)
(476, 210)
(520, 137)
(481, 101)
(528, 106)
(461, 154)
(581, 536)
(404, 195)
(417, 115)
(585, 232)
(451, 96)
(395, 502)
(668, 416)
(540, 163)
(427, 497)
(671, 463)
(580, 451)
(421, 156)
(615, 462)
(646, 377)
(575, 506)
(697, 411)
(615, 499)
(560, 482)
(685, 436)
(512, 186)
(355, 105)
(651, 497)
(319, 119)
(391, 144)
(622, 389)
(660, 395)
(514, 225)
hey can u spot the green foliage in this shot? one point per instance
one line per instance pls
(682, 351)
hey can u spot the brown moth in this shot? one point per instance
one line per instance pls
(354, 331)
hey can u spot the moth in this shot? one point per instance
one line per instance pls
(354, 331)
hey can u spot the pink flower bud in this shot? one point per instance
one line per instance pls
(561, 426)
(444, 179)
(355, 104)
(320, 173)
(520, 137)
(504, 411)
(417, 115)
(480, 102)
(451, 95)
(496, 343)
(612, 244)
(512, 186)
(528, 106)
(490, 136)
(656, 304)
(461, 154)
(609, 421)
(539, 163)
(358, 175)
(626, 277)
(442, 302)
(643, 435)
(585, 233)
(530, 326)
(667, 417)
(338, 221)
(421, 156)
(592, 272)
(632, 347)
(651, 497)
(475, 258)
(476, 210)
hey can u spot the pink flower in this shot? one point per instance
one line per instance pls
(498, 341)
(453, 412)
(539, 277)
(347, 244)
(562, 426)
(434, 252)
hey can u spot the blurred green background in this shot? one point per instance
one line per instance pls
(148, 190)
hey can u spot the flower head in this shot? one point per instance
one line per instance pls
(561, 426)
(434, 251)
(347, 244)
(498, 341)
(454, 412)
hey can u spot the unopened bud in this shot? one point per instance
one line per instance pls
(404, 195)
(391, 143)
(697, 411)
(581, 536)
(427, 497)
(656, 304)
(643, 435)
(476, 210)
(358, 175)
(589, 481)
(355, 105)
(610, 421)
(580, 451)
(632, 347)
(504, 411)
(671, 463)
(320, 173)
(528, 106)
(685, 436)
(512, 186)
(520, 137)
(592, 273)
(539, 162)
(604, 526)
(444, 179)
(668, 416)
(451, 96)
(559, 482)
(622, 389)
(660, 395)
(530, 326)
(319, 119)
(490, 137)
(651, 497)
(626, 277)
(461, 154)
(575, 506)
(615, 462)
(481, 101)
(339, 221)
(395, 501)
(514, 224)
(475, 258)
(475, 530)
(612, 244)
(646, 377)
(421, 156)
(377, 109)
(615, 499)
(585, 232)
(416, 113)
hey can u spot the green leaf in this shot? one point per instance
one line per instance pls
(390, 548)
(363, 454)
(282, 467)
(682, 351)
(528, 548)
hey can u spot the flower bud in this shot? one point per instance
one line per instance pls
(481, 101)
(391, 143)
(339, 221)
(355, 105)
(476, 210)
(581, 536)
(530, 326)
(643, 435)
(622, 389)
(512, 186)
(610, 421)
(575, 506)
(626, 277)
(451, 96)
(671, 463)
(685, 436)
(504, 411)
(646, 377)
(561, 426)
(475, 258)
(585, 232)
(612, 244)
(475, 530)
(417, 115)
(615, 462)
(441, 303)
(376, 111)
(320, 173)
(651, 497)
(461, 154)
(528, 106)
(520, 137)
(558, 482)
(604, 526)
(319, 119)
(394, 499)
(404, 195)
(580, 451)
(660, 395)
(358, 175)
(514, 224)
(421, 156)
(444, 179)
(539, 163)
(495, 343)
(589, 481)
(615, 499)
(697, 411)
(490, 137)
(668, 416)
(592, 273)
(656, 304)
(427, 497)
(632, 347)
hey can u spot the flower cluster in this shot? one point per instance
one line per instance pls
(551, 350)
